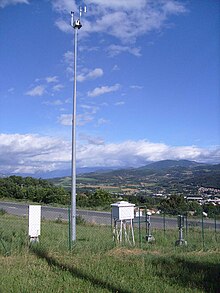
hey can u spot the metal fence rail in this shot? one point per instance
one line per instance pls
(163, 221)
(163, 226)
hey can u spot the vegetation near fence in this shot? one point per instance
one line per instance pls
(97, 264)
(43, 191)
(36, 190)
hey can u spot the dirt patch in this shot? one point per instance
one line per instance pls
(203, 253)
(122, 251)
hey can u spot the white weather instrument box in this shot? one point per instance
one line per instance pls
(123, 210)
(34, 221)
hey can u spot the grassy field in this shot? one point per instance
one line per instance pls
(96, 264)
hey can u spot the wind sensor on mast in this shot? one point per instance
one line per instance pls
(77, 23)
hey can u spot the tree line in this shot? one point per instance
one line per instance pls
(36, 190)
(43, 191)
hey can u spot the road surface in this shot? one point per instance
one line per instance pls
(53, 213)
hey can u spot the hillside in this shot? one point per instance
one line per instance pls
(167, 176)
(167, 164)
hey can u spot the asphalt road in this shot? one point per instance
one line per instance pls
(53, 213)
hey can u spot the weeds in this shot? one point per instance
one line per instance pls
(80, 220)
(96, 264)
(2, 212)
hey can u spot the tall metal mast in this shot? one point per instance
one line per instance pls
(76, 24)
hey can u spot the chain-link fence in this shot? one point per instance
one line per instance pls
(196, 232)
(146, 229)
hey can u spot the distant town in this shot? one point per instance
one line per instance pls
(196, 182)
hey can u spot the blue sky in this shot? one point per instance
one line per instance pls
(147, 83)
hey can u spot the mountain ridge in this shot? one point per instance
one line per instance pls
(150, 166)
(164, 164)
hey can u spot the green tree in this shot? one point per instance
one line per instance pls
(82, 200)
(195, 206)
(174, 205)
(100, 198)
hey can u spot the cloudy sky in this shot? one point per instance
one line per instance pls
(147, 83)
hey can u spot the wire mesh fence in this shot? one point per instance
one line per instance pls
(149, 230)
(194, 232)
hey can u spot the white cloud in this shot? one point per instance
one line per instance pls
(87, 116)
(86, 74)
(88, 48)
(64, 5)
(115, 68)
(65, 119)
(4, 3)
(30, 153)
(53, 103)
(58, 87)
(92, 139)
(84, 118)
(171, 7)
(11, 90)
(81, 119)
(138, 153)
(122, 4)
(68, 58)
(121, 103)
(89, 108)
(63, 26)
(114, 50)
(52, 79)
(103, 90)
(137, 87)
(39, 90)
(97, 72)
(102, 121)
(21, 153)
(126, 20)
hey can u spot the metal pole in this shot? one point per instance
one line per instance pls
(76, 25)
(69, 228)
(73, 185)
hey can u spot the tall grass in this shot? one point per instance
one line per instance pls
(96, 264)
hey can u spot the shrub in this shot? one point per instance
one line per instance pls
(2, 212)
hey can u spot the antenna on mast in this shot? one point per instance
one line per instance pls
(72, 18)
(82, 10)
(77, 23)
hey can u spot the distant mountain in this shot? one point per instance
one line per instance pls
(168, 176)
(160, 166)
(167, 164)
(62, 173)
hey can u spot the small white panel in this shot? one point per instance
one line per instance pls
(34, 220)
(126, 213)
(123, 210)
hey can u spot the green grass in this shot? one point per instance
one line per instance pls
(96, 264)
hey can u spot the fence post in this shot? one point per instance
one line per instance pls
(164, 224)
(186, 223)
(215, 227)
(203, 238)
(69, 232)
(139, 227)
